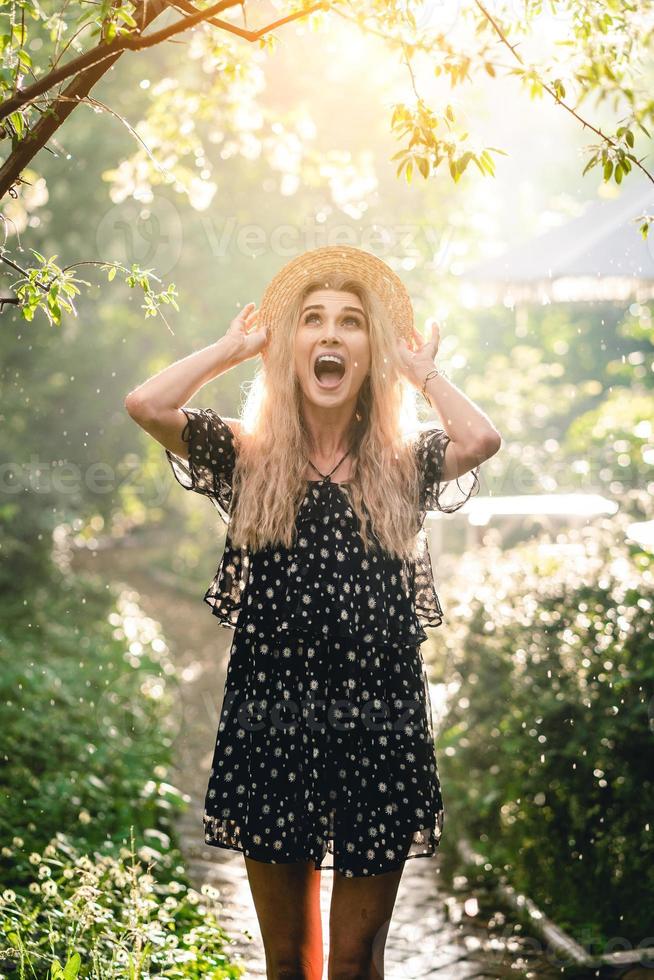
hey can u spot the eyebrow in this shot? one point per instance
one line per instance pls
(316, 306)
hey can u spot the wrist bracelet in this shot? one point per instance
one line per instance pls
(431, 374)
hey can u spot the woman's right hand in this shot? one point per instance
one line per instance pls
(248, 341)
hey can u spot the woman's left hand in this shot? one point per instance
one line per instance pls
(416, 361)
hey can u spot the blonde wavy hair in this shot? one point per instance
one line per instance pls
(269, 480)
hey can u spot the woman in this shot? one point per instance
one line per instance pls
(325, 747)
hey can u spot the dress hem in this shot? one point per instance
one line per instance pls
(432, 838)
(346, 872)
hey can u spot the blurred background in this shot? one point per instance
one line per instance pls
(212, 161)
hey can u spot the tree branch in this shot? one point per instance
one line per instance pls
(188, 7)
(109, 52)
(554, 94)
(60, 109)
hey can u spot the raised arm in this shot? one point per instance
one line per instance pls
(156, 405)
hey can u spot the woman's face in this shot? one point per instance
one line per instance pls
(332, 322)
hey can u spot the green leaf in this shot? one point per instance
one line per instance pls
(630, 137)
(126, 17)
(111, 275)
(71, 970)
(591, 163)
(608, 169)
(18, 123)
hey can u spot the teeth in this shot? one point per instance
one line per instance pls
(329, 357)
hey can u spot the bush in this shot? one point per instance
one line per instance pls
(89, 691)
(546, 750)
(103, 917)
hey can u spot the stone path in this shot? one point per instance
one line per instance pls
(438, 929)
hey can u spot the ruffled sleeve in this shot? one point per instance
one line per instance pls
(211, 458)
(436, 494)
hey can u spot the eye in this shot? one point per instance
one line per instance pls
(349, 318)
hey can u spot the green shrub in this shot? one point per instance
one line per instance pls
(89, 690)
(546, 749)
(102, 916)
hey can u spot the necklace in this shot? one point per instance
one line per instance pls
(325, 478)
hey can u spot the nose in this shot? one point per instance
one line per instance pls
(330, 331)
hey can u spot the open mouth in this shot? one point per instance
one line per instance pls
(329, 370)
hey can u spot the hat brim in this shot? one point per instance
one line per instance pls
(317, 264)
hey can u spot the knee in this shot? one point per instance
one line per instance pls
(292, 971)
(353, 967)
(292, 968)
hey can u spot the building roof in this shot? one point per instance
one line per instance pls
(599, 255)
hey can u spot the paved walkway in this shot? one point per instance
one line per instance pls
(437, 930)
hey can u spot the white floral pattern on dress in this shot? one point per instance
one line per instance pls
(325, 677)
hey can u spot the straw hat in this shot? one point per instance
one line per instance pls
(318, 264)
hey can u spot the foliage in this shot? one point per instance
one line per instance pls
(546, 747)
(50, 288)
(102, 916)
(88, 690)
(103, 671)
(51, 61)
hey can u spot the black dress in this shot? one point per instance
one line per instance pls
(325, 745)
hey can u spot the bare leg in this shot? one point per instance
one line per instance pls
(287, 902)
(359, 920)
